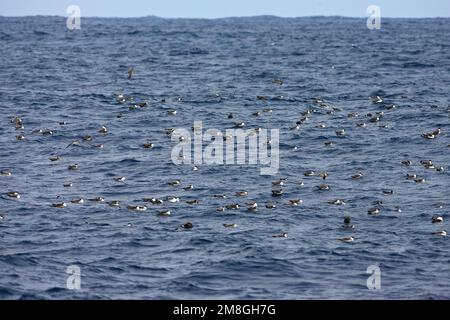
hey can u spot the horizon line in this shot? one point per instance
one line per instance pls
(226, 17)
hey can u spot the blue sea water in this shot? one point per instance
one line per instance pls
(50, 74)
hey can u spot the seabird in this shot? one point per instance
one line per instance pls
(374, 119)
(174, 183)
(426, 162)
(67, 184)
(87, 138)
(164, 213)
(13, 194)
(428, 136)
(188, 187)
(340, 132)
(187, 225)
(130, 73)
(97, 199)
(173, 199)
(137, 208)
(295, 202)
(323, 175)
(279, 182)
(411, 176)
(388, 192)
(5, 173)
(230, 225)
(433, 134)
(120, 179)
(442, 233)
(193, 202)
(271, 205)
(74, 143)
(323, 187)
(17, 120)
(277, 193)
(148, 145)
(242, 193)
(347, 239)
(337, 202)
(277, 81)
(282, 235)
(232, 206)
(103, 129)
(153, 200)
(429, 166)
(376, 99)
(220, 196)
(437, 219)
(348, 223)
(308, 173)
(46, 132)
(114, 203)
(54, 158)
(373, 211)
(73, 167)
(358, 175)
(407, 162)
(77, 201)
(252, 206)
(59, 205)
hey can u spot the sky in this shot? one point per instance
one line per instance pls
(226, 8)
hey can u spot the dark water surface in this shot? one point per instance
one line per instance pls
(50, 74)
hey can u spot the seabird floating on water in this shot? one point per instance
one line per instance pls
(164, 213)
(13, 194)
(282, 235)
(137, 208)
(230, 225)
(347, 239)
(5, 173)
(348, 223)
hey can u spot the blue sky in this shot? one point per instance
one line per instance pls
(227, 8)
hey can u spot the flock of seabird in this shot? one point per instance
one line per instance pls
(277, 185)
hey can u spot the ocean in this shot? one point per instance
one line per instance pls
(318, 71)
